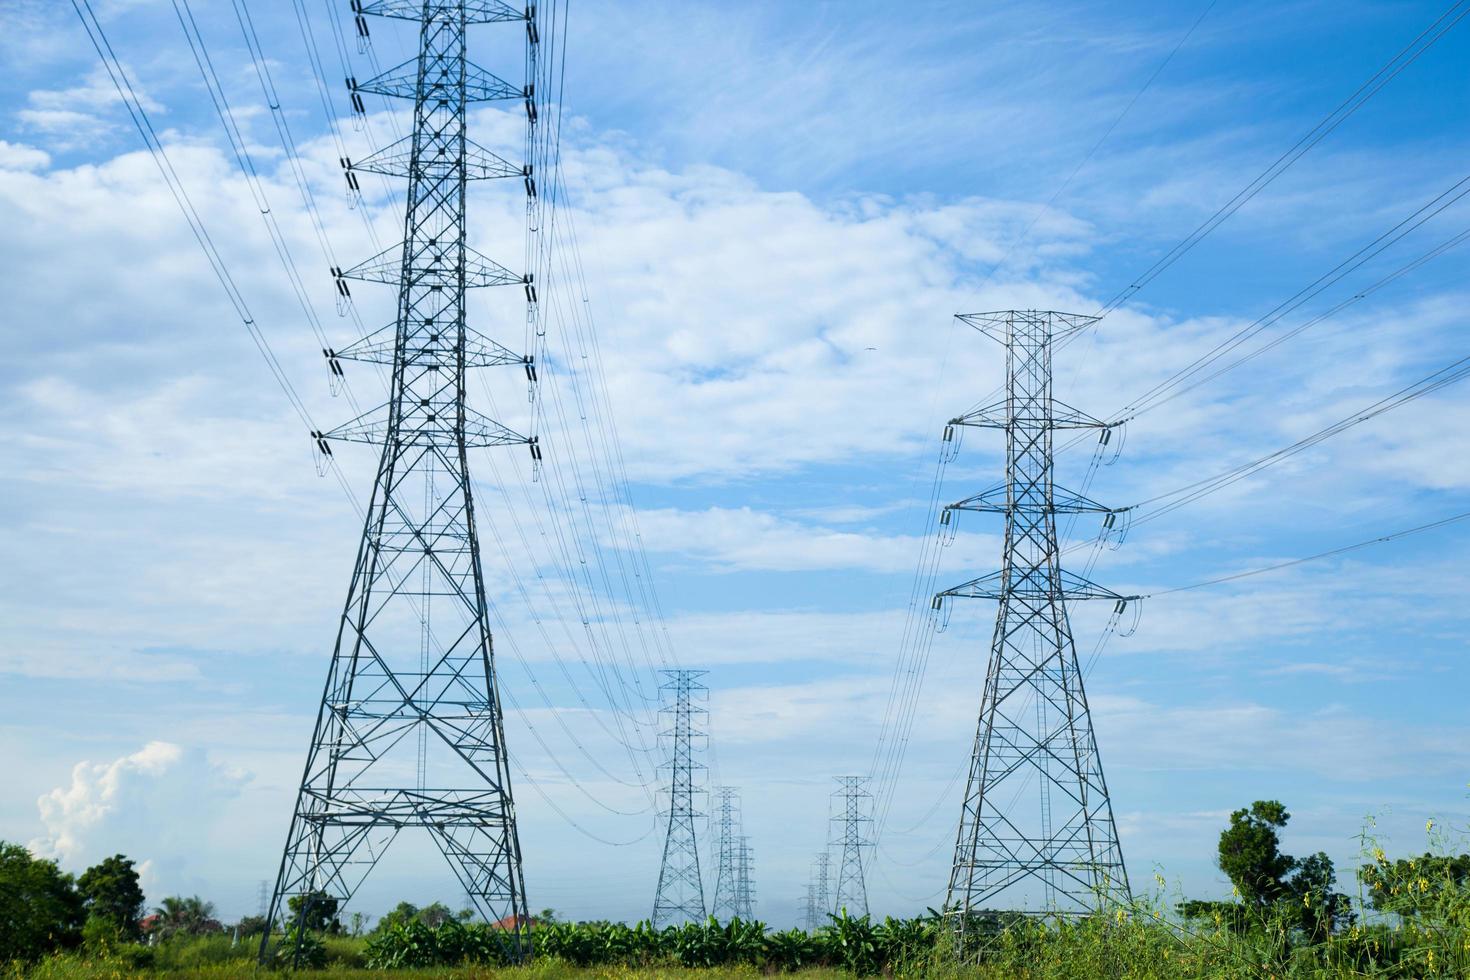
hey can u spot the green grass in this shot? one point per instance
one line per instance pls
(71, 967)
(1141, 944)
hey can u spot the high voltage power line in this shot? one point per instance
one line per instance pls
(625, 517)
(1406, 57)
(916, 636)
(584, 483)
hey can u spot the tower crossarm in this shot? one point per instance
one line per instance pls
(479, 85)
(998, 500)
(1003, 415)
(475, 11)
(422, 425)
(396, 160)
(1006, 325)
(1035, 585)
(434, 265)
(379, 347)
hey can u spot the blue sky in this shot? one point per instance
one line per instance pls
(762, 192)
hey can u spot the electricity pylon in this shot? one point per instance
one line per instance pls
(680, 889)
(1059, 853)
(727, 817)
(410, 733)
(812, 917)
(852, 888)
(824, 885)
(744, 881)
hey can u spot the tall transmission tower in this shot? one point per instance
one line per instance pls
(1059, 853)
(852, 888)
(410, 733)
(727, 821)
(744, 881)
(680, 889)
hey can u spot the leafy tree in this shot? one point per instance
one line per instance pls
(1410, 887)
(435, 915)
(181, 916)
(1320, 911)
(113, 896)
(251, 925)
(321, 912)
(401, 914)
(40, 909)
(1250, 854)
(1271, 884)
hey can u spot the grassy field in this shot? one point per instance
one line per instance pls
(1140, 948)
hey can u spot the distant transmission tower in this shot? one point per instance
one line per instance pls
(1060, 853)
(680, 888)
(744, 880)
(852, 888)
(823, 872)
(727, 821)
(410, 733)
(812, 917)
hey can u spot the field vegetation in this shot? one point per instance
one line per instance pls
(1410, 918)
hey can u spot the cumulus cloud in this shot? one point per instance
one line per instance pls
(18, 156)
(743, 539)
(157, 805)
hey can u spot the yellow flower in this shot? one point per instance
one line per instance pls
(1429, 825)
(1379, 856)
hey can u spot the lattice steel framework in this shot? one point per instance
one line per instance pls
(744, 880)
(727, 822)
(824, 885)
(811, 917)
(852, 816)
(1059, 853)
(680, 892)
(410, 732)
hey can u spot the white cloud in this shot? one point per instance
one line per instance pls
(743, 539)
(157, 805)
(19, 156)
(76, 117)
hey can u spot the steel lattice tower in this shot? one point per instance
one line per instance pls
(824, 885)
(744, 882)
(1059, 853)
(727, 817)
(852, 888)
(410, 732)
(812, 917)
(680, 888)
